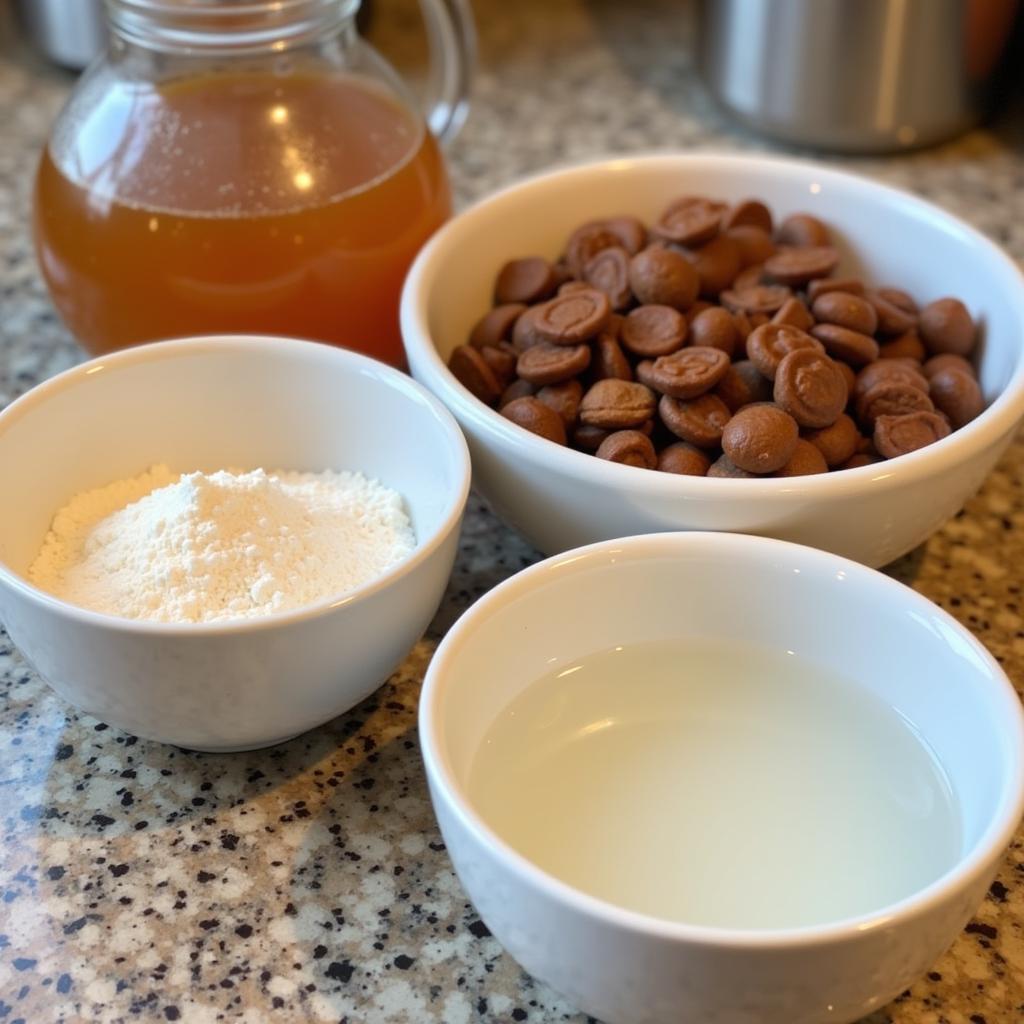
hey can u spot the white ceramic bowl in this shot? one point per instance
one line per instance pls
(207, 404)
(560, 498)
(627, 968)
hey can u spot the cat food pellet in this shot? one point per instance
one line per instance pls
(810, 388)
(956, 394)
(760, 438)
(683, 459)
(803, 230)
(526, 280)
(946, 326)
(617, 404)
(630, 447)
(699, 420)
(806, 460)
(534, 416)
(899, 435)
(715, 327)
(769, 344)
(652, 331)
(663, 277)
(836, 442)
(545, 363)
(686, 373)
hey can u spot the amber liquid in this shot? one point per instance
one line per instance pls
(281, 205)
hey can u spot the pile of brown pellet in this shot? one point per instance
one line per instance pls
(714, 344)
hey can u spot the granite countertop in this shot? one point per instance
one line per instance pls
(309, 882)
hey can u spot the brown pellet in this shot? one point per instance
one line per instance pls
(898, 297)
(472, 372)
(652, 331)
(956, 393)
(749, 213)
(852, 347)
(572, 318)
(809, 386)
(663, 277)
(617, 404)
(501, 358)
(806, 460)
(892, 320)
(891, 399)
(846, 310)
(564, 398)
(946, 361)
(889, 371)
(753, 244)
(794, 312)
(850, 285)
(803, 230)
(946, 326)
(759, 298)
(609, 359)
(760, 438)
(902, 434)
(749, 277)
(715, 327)
(685, 374)
(524, 333)
(859, 460)
(906, 345)
(536, 417)
(848, 374)
(683, 459)
(723, 467)
(690, 221)
(608, 271)
(519, 388)
(768, 344)
(545, 363)
(629, 447)
(717, 263)
(588, 438)
(586, 242)
(496, 324)
(742, 384)
(525, 280)
(836, 442)
(798, 266)
(698, 420)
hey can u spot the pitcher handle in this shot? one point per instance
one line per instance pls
(452, 37)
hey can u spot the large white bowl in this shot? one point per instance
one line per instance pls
(560, 498)
(215, 403)
(628, 968)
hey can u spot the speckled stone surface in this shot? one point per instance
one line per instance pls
(309, 882)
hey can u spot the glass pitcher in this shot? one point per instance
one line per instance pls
(246, 166)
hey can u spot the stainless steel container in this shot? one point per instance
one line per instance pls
(69, 32)
(854, 75)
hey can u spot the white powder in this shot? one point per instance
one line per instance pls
(228, 545)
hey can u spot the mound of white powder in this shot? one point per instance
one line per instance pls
(200, 547)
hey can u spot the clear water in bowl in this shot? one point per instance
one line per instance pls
(717, 785)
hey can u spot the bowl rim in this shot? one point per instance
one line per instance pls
(996, 421)
(968, 868)
(241, 343)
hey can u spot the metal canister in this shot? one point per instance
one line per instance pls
(854, 75)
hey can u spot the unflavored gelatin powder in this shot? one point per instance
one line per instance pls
(198, 547)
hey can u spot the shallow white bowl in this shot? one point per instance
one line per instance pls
(560, 498)
(628, 968)
(214, 403)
